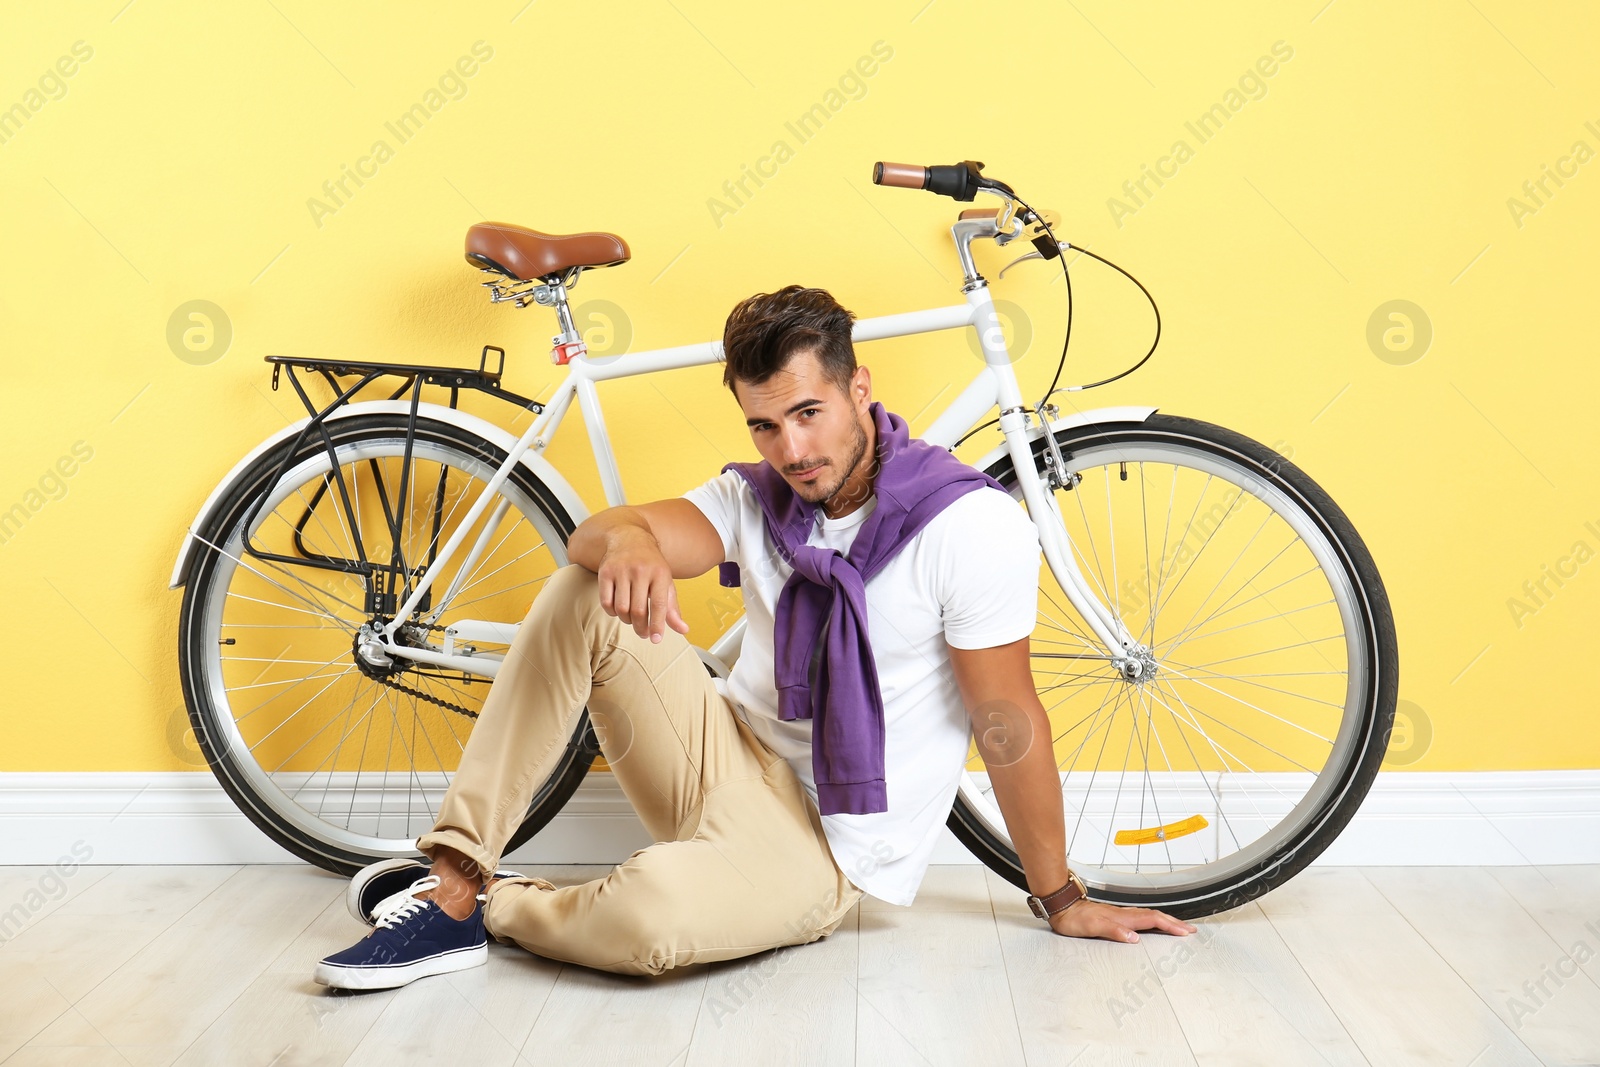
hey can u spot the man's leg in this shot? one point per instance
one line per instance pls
(552, 669)
(756, 874)
(736, 834)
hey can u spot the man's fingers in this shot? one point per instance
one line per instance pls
(664, 609)
(640, 611)
(1167, 924)
(669, 616)
(1114, 923)
(1151, 919)
(647, 604)
(659, 598)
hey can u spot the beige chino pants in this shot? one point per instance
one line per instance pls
(739, 864)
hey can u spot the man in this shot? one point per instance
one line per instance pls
(772, 814)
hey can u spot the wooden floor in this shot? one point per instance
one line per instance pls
(1463, 966)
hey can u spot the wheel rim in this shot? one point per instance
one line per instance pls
(346, 759)
(1254, 715)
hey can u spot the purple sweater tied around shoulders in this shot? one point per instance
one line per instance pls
(823, 663)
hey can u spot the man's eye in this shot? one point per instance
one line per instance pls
(809, 411)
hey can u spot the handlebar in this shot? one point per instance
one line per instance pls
(959, 181)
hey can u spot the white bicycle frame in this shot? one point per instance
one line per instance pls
(994, 384)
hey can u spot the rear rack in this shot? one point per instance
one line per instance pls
(455, 379)
(386, 583)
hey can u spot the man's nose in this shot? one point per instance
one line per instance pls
(793, 448)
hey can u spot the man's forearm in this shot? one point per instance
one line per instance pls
(1028, 790)
(595, 535)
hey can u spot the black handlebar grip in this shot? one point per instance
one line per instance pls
(958, 181)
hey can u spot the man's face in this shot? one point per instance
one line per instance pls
(812, 433)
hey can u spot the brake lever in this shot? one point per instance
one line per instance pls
(1063, 247)
(1035, 230)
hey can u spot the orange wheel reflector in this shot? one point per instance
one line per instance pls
(1151, 835)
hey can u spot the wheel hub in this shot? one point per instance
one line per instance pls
(367, 649)
(1139, 666)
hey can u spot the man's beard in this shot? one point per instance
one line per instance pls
(858, 450)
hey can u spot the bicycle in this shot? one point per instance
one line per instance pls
(347, 584)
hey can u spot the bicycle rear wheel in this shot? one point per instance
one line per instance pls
(1269, 670)
(340, 760)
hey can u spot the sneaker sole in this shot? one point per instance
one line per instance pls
(460, 959)
(352, 894)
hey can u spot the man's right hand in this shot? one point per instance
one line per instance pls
(636, 583)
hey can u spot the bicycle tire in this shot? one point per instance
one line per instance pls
(1367, 719)
(236, 770)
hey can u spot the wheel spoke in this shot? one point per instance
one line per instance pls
(285, 699)
(1233, 726)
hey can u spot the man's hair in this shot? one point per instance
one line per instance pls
(764, 331)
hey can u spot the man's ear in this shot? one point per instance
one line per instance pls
(861, 388)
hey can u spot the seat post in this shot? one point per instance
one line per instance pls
(569, 342)
(558, 293)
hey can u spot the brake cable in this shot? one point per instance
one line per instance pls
(1061, 247)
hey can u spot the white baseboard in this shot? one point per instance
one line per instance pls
(1470, 818)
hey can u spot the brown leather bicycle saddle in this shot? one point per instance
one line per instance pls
(525, 254)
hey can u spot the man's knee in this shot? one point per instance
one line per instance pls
(565, 597)
(570, 582)
(642, 930)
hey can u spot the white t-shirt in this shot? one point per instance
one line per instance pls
(969, 577)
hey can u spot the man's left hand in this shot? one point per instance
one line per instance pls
(1090, 918)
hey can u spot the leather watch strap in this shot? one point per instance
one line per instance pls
(1060, 900)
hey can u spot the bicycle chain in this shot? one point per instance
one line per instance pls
(429, 697)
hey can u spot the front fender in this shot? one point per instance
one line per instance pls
(534, 462)
(1096, 416)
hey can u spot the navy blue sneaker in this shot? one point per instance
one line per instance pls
(411, 938)
(378, 881)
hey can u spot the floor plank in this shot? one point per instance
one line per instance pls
(1565, 902)
(791, 1005)
(1083, 1002)
(1530, 980)
(59, 958)
(596, 1017)
(1384, 965)
(1240, 996)
(31, 894)
(1397, 998)
(933, 989)
(164, 997)
(283, 1017)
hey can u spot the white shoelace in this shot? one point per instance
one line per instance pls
(393, 910)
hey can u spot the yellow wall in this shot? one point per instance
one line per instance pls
(1374, 164)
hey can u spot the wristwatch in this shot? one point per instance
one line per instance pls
(1060, 900)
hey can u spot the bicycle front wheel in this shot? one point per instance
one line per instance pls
(1265, 692)
(341, 756)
